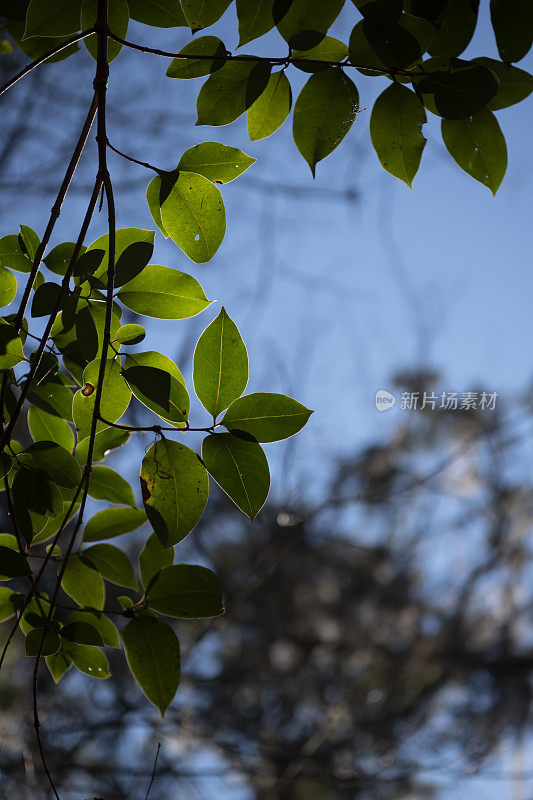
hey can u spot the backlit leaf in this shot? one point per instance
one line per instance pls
(323, 114)
(106, 484)
(229, 92)
(186, 592)
(185, 68)
(396, 131)
(478, 145)
(240, 468)
(255, 19)
(112, 563)
(115, 397)
(83, 583)
(112, 522)
(159, 13)
(8, 287)
(46, 427)
(220, 365)
(193, 215)
(175, 488)
(153, 654)
(153, 557)
(216, 162)
(271, 108)
(118, 17)
(268, 417)
(200, 14)
(164, 293)
(304, 24)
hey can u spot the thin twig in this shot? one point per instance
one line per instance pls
(273, 60)
(153, 773)
(131, 159)
(56, 211)
(30, 67)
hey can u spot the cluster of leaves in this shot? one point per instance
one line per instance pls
(78, 383)
(44, 477)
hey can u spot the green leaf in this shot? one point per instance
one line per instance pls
(45, 299)
(35, 614)
(52, 18)
(116, 397)
(153, 654)
(271, 108)
(125, 601)
(36, 500)
(158, 13)
(6, 462)
(304, 24)
(83, 584)
(50, 645)
(329, 49)
(113, 564)
(268, 417)
(153, 198)
(82, 633)
(133, 251)
(152, 558)
(405, 45)
(220, 371)
(160, 392)
(152, 359)
(185, 68)
(118, 17)
(454, 88)
(106, 484)
(164, 293)
(175, 488)
(255, 19)
(112, 522)
(60, 466)
(514, 84)
(8, 287)
(30, 241)
(12, 564)
(90, 327)
(456, 25)
(101, 623)
(10, 346)
(186, 592)
(478, 145)
(240, 468)
(12, 254)
(104, 442)
(200, 14)
(193, 215)
(230, 91)
(396, 131)
(58, 665)
(512, 21)
(216, 162)
(53, 396)
(323, 114)
(130, 334)
(48, 366)
(8, 540)
(46, 427)
(7, 605)
(89, 660)
(58, 259)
